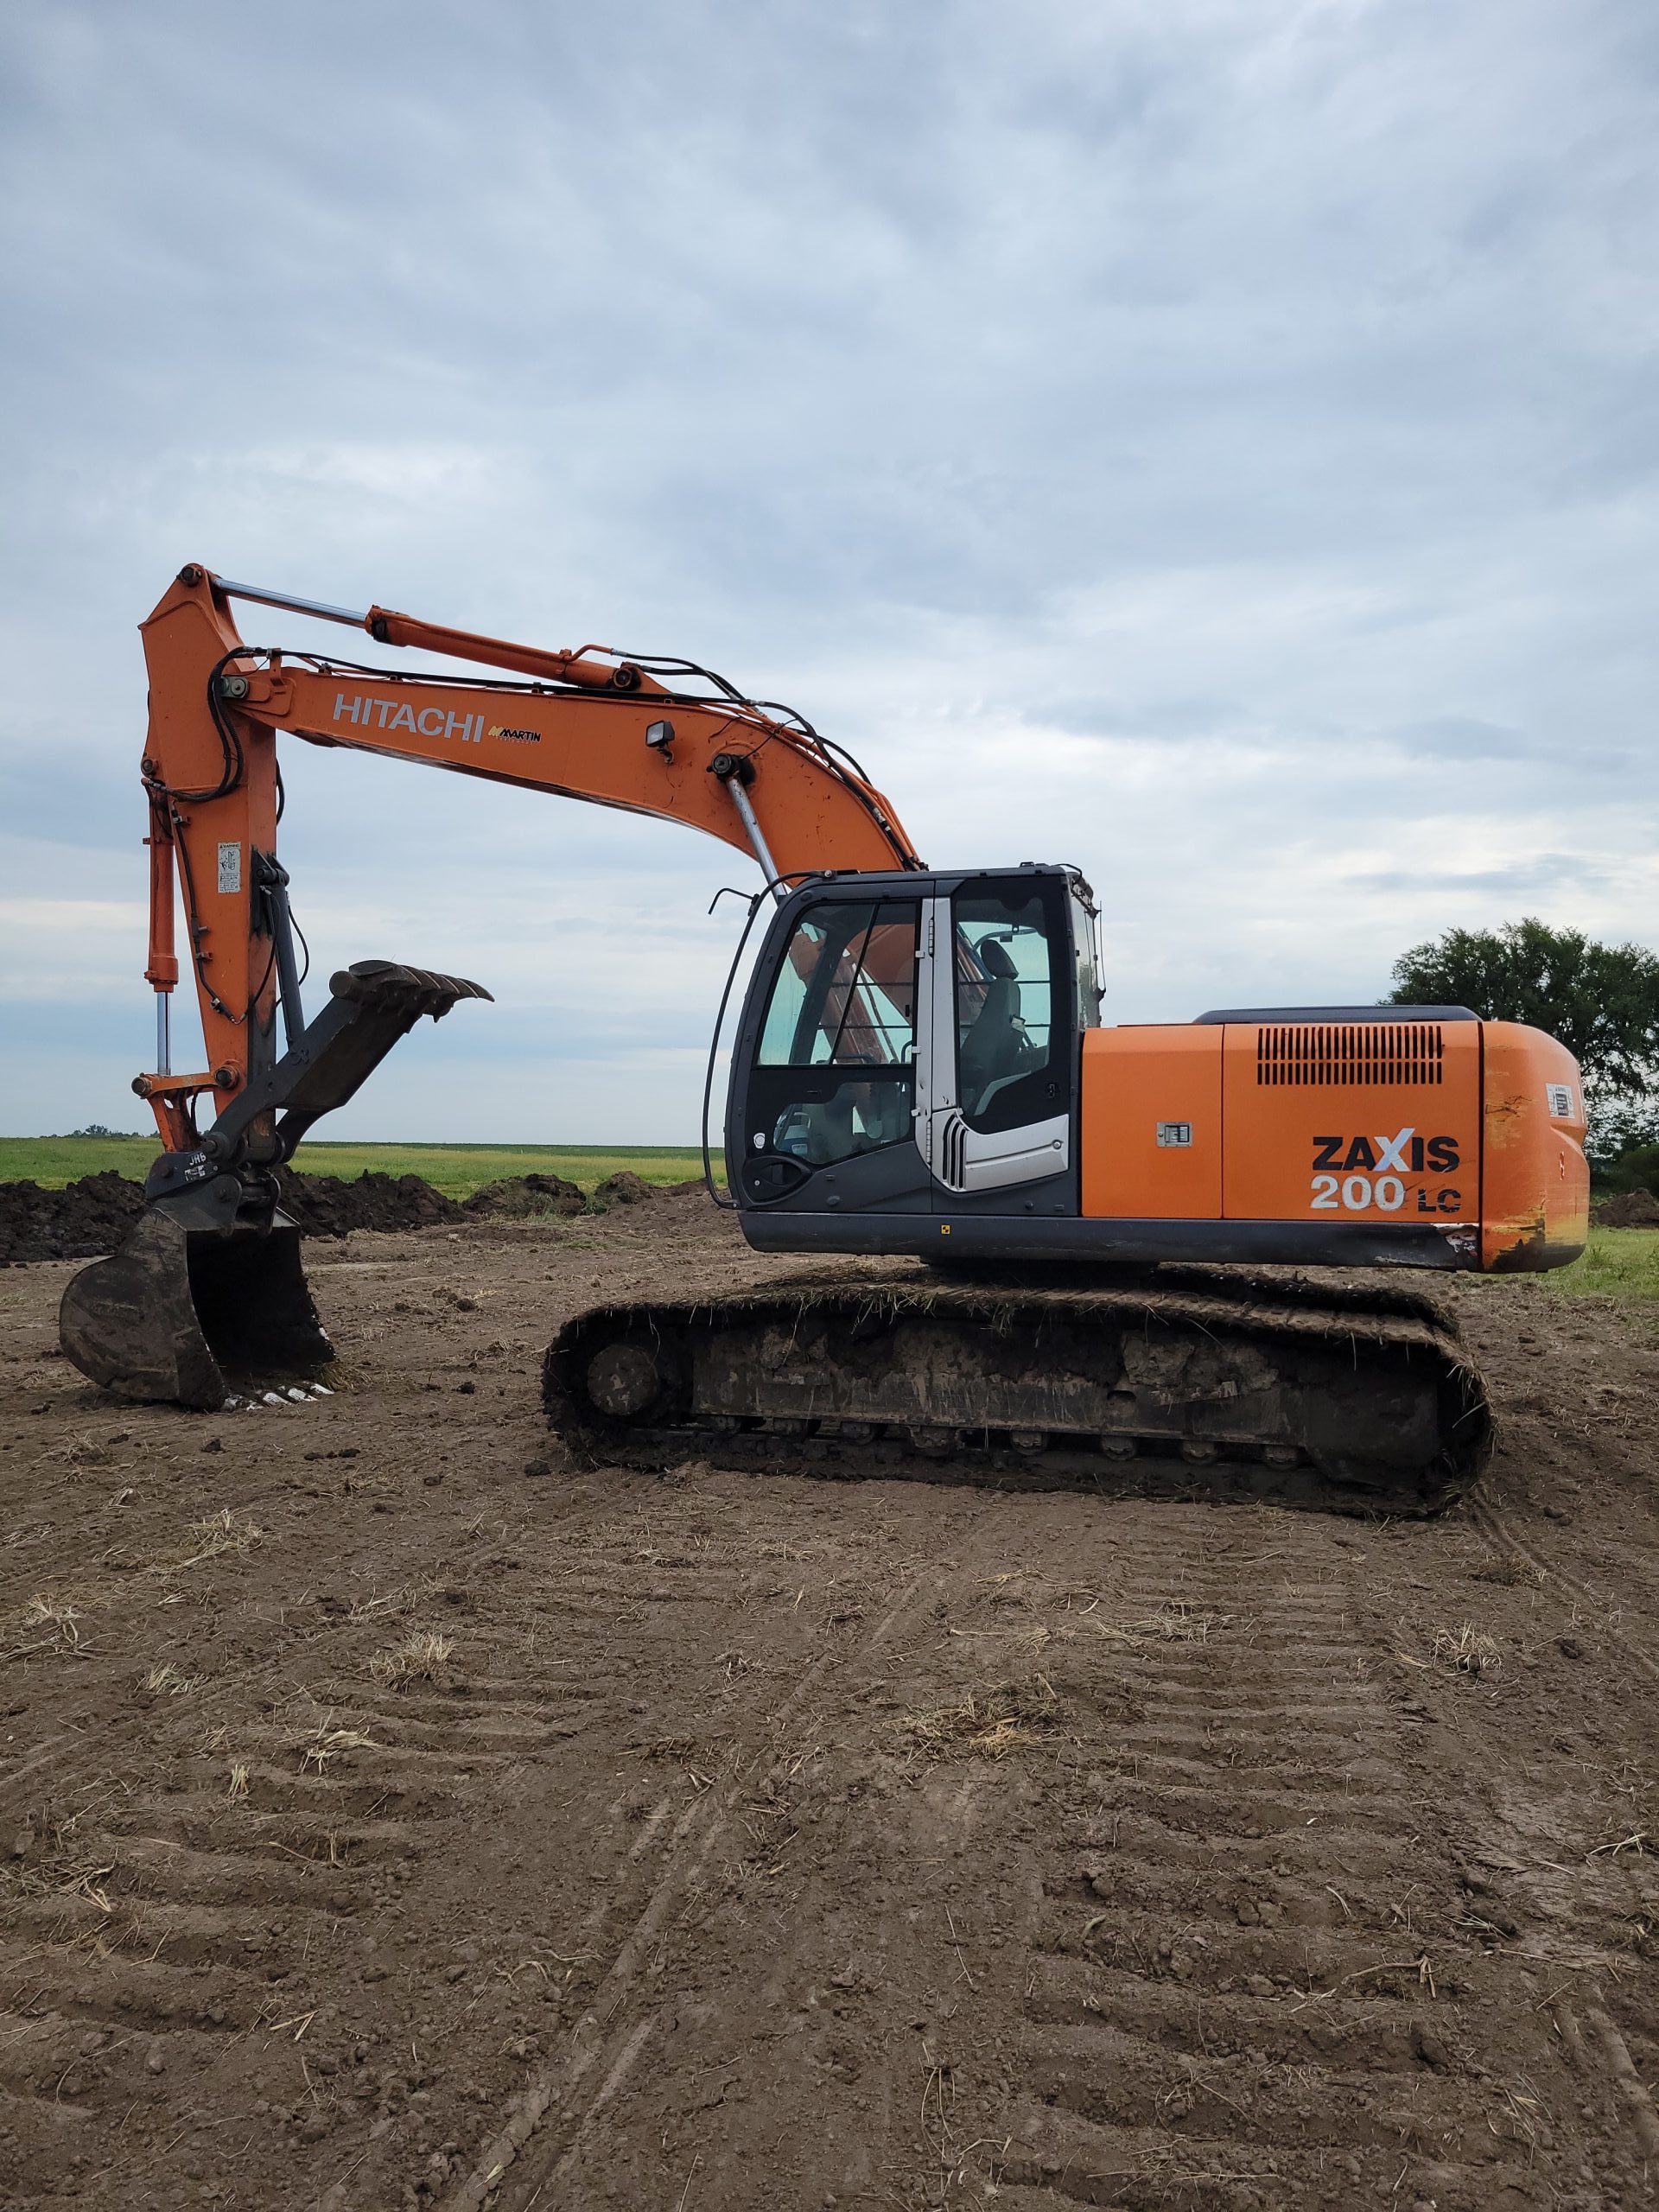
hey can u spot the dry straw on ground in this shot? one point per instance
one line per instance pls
(419, 1657)
(324, 1745)
(220, 1532)
(55, 1615)
(986, 1724)
(1467, 1650)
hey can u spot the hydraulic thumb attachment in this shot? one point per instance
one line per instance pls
(208, 1293)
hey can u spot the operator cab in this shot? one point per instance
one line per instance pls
(910, 1042)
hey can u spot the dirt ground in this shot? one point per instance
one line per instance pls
(390, 1816)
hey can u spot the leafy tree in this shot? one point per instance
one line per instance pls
(1634, 1168)
(1602, 1000)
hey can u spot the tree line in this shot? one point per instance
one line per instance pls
(1602, 1000)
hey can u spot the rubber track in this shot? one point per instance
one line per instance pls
(1375, 1328)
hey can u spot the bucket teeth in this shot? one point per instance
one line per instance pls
(182, 1317)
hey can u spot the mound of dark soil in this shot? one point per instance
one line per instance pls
(328, 1205)
(522, 1197)
(89, 1217)
(80, 1221)
(1630, 1210)
(624, 1189)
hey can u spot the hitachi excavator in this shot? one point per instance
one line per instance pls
(919, 1072)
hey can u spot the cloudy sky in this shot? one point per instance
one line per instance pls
(1210, 440)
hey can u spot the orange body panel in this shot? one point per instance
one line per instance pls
(1321, 1136)
(1136, 1081)
(1468, 1125)
(1535, 1196)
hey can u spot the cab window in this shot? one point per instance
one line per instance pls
(1013, 1011)
(844, 999)
(846, 993)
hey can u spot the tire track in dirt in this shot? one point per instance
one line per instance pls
(151, 1944)
(1576, 1904)
(146, 1946)
(1505, 1541)
(129, 1578)
(613, 2034)
(904, 1924)
(1253, 1987)
(136, 1934)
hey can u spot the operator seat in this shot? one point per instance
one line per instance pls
(995, 1044)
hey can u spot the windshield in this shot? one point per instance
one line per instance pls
(846, 993)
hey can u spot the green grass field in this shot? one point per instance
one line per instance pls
(455, 1169)
(1620, 1264)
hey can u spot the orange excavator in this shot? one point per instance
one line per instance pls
(919, 1072)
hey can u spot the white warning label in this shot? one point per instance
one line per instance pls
(230, 868)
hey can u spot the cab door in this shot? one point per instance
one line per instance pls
(996, 1048)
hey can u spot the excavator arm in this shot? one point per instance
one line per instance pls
(209, 1282)
(657, 737)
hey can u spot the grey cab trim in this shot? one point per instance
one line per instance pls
(1003, 1237)
(1315, 1013)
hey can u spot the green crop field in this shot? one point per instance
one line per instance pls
(455, 1169)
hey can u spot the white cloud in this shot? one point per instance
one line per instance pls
(1213, 444)
(59, 949)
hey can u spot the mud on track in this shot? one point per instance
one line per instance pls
(391, 1817)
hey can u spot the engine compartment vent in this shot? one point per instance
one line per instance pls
(1351, 1052)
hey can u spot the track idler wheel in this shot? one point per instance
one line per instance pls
(635, 1377)
(624, 1380)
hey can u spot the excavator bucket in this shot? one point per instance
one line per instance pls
(207, 1297)
(190, 1316)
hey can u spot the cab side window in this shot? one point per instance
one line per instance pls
(1012, 1008)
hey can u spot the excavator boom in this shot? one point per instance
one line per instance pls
(594, 725)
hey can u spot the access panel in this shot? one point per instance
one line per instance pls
(1374, 1122)
(1151, 1132)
